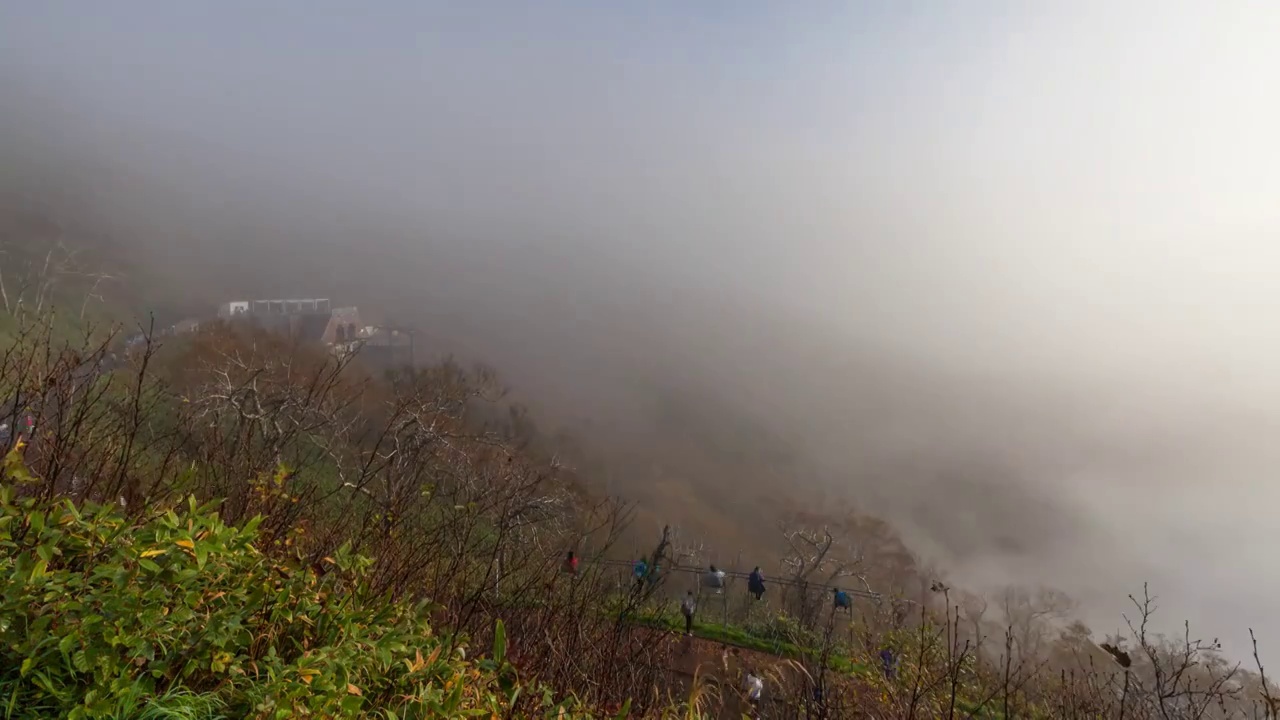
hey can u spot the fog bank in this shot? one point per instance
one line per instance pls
(1003, 275)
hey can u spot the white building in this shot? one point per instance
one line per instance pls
(293, 306)
(232, 309)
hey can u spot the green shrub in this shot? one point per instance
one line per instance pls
(180, 616)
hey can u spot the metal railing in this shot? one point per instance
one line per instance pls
(738, 575)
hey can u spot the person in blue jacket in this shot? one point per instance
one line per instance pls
(755, 583)
(842, 600)
(639, 571)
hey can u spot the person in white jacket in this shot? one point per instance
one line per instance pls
(754, 687)
(714, 579)
(689, 607)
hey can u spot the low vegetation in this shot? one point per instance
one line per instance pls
(181, 615)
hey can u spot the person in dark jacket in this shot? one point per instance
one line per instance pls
(571, 564)
(755, 583)
(888, 662)
(640, 570)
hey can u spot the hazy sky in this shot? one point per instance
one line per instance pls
(1076, 200)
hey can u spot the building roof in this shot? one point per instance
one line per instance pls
(284, 300)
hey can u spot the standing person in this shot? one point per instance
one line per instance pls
(689, 607)
(571, 564)
(842, 601)
(640, 570)
(755, 583)
(888, 662)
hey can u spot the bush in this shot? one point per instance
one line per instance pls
(101, 617)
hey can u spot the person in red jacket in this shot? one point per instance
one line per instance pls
(571, 564)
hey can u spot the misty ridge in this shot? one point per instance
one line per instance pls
(707, 368)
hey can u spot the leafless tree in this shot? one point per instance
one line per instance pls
(816, 558)
(1034, 616)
